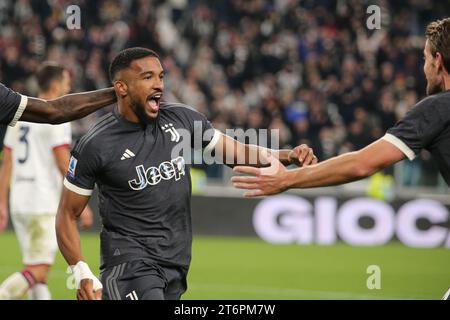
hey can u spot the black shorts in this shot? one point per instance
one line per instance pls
(142, 280)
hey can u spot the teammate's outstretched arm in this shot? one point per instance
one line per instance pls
(67, 108)
(70, 208)
(14, 106)
(233, 152)
(338, 170)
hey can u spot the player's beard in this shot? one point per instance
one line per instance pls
(434, 87)
(435, 83)
(139, 110)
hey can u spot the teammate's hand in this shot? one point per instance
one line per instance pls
(87, 292)
(262, 181)
(302, 155)
(86, 218)
(3, 216)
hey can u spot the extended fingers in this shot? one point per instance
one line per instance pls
(256, 193)
(244, 179)
(247, 170)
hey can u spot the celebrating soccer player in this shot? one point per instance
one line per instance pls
(426, 126)
(144, 188)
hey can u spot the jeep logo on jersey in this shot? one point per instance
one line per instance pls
(153, 175)
(174, 135)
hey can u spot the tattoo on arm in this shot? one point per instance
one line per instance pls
(68, 107)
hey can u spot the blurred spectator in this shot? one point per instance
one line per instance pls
(310, 69)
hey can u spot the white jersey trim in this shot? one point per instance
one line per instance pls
(399, 144)
(212, 144)
(20, 110)
(74, 188)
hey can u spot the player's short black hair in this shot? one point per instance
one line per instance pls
(125, 57)
(438, 35)
(48, 72)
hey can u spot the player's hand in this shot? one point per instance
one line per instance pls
(87, 292)
(262, 181)
(3, 216)
(88, 286)
(302, 155)
(86, 218)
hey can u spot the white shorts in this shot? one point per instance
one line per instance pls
(37, 237)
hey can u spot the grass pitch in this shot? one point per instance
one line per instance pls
(245, 268)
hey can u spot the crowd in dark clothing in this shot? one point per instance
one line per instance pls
(311, 69)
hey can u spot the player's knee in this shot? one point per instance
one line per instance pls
(39, 272)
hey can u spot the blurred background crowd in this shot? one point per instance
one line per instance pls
(311, 69)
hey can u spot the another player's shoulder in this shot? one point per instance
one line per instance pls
(47, 128)
(437, 103)
(432, 110)
(60, 130)
(96, 133)
(27, 129)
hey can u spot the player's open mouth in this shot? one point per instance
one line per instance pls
(153, 102)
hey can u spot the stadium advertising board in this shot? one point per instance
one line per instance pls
(361, 221)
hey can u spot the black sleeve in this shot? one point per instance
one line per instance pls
(420, 127)
(83, 167)
(9, 105)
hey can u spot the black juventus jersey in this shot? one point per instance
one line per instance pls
(12, 105)
(144, 183)
(426, 126)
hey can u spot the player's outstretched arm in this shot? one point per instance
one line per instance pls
(68, 107)
(70, 208)
(233, 152)
(338, 170)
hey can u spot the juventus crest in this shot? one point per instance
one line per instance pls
(174, 135)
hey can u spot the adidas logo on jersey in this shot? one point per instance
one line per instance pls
(127, 155)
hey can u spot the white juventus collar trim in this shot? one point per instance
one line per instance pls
(127, 155)
(22, 105)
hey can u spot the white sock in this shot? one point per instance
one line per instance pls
(14, 287)
(446, 295)
(40, 292)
